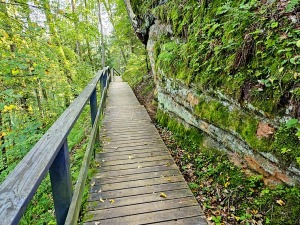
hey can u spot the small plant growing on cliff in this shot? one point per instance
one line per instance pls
(294, 123)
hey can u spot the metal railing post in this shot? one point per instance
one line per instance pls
(61, 183)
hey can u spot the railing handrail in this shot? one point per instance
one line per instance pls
(116, 71)
(19, 187)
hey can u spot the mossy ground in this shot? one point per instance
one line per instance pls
(226, 193)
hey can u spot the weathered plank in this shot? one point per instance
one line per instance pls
(124, 172)
(136, 199)
(144, 207)
(153, 217)
(133, 177)
(97, 193)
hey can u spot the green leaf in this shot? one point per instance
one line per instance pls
(15, 72)
(274, 24)
(291, 123)
(298, 43)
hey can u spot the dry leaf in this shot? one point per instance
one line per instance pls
(280, 202)
(163, 195)
(111, 201)
(97, 223)
(139, 167)
(264, 130)
(101, 200)
(130, 157)
(93, 184)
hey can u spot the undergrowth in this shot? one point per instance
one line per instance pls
(226, 193)
(41, 207)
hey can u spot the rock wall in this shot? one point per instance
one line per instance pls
(246, 132)
(180, 101)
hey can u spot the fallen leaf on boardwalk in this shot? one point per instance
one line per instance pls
(139, 167)
(97, 164)
(130, 157)
(111, 201)
(280, 202)
(145, 143)
(169, 179)
(101, 200)
(163, 195)
(93, 184)
(116, 147)
(97, 223)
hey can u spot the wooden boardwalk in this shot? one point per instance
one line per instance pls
(138, 181)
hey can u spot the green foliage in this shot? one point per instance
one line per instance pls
(224, 189)
(286, 144)
(135, 69)
(210, 49)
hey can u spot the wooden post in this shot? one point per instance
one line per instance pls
(93, 105)
(94, 110)
(61, 183)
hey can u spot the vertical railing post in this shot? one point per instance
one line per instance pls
(93, 105)
(94, 109)
(61, 183)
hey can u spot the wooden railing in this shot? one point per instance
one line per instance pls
(51, 154)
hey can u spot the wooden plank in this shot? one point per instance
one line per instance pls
(131, 144)
(128, 161)
(137, 183)
(152, 217)
(145, 207)
(197, 220)
(137, 166)
(140, 146)
(137, 191)
(124, 172)
(21, 184)
(131, 154)
(135, 199)
(137, 176)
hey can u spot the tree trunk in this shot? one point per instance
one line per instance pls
(78, 46)
(110, 16)
(102, 36)
(2, 146)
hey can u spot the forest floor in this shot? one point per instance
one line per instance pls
(226, 194)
